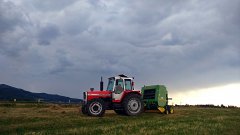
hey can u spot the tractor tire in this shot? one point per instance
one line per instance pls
(84, 109)
(119, 112)
(133, 105)
(95, 107)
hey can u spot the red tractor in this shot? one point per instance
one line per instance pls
(120, 96)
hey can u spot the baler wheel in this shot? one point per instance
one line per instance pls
(167, 110)
(171, 110)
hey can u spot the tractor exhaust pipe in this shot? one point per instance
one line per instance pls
(101, 85)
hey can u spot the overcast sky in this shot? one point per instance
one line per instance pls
(65, 46)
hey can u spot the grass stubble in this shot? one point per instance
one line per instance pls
(66, 119)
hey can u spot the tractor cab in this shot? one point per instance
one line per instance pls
(119, 85)
(126, 83)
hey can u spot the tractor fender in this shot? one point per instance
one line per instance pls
(126, 93)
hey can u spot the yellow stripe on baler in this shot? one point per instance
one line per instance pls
(161, 109)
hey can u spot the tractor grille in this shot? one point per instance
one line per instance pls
(149, 94)
(84, 95)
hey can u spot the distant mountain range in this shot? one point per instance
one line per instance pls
(9, 93)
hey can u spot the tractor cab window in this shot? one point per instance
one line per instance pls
(128, 84)
(119, 82)
(110, 84)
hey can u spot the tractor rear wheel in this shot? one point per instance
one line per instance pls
(95, 107)
(133, 105)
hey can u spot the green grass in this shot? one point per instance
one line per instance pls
(64, 119)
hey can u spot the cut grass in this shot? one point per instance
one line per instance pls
(66, 119)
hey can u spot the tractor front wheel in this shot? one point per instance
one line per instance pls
(96, 107)
(133, 105)
(84, 109)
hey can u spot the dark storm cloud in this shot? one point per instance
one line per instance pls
(183, 44)
(49, 6)
(13, 30)
(9, 16)
(47, 33)
(62, 63)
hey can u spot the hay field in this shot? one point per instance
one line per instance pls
(40, 119)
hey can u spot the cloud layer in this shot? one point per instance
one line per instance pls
(64, 47)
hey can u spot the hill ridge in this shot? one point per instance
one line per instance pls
(8, 92)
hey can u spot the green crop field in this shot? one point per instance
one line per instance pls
(31, 118)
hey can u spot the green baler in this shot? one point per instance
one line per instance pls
(155, 97)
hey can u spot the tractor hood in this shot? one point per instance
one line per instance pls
(98, 94)
(99, 91)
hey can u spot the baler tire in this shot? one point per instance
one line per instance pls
(131, 100)
(96, 107)
(167, 110)
(171, 110)
(84, 109)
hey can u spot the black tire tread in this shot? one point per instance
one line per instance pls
(84, 109)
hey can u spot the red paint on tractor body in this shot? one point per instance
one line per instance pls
(98, 94)
(108, 94)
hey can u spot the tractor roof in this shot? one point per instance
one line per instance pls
(121, 76)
